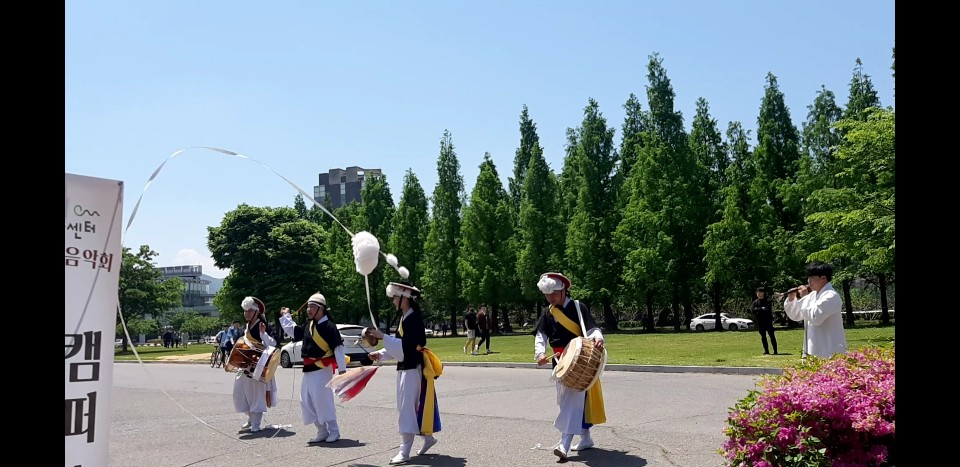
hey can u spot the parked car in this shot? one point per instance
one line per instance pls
(290, 353)
(118, 342)
(709, 321)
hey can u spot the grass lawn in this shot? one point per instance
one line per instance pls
(664, 347)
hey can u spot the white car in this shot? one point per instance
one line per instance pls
(290, 353)
(709, 321)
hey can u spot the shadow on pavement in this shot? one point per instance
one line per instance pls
(340, 443)
(595, 457)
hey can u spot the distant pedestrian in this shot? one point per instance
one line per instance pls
(763, 315)
(470, 326)
(483, 328)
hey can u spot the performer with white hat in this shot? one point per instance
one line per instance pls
(250, 396)
(417, 367)
(323, 354)
(557, 326)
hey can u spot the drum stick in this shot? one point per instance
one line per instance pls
(556, 355)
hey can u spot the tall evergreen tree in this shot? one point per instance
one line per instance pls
(735, 251)
(487, 259)
(709, 173)
(590, 259)
(529, 141)
(862, 94)
(441, 275)
(820, 137)
(541, 233)
(377, 213)
(300, 206)
(674, 197)
(410, 226)
(778, 164)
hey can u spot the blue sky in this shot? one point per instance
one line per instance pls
(304, 87)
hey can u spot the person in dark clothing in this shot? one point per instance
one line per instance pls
(763, 315)
(470, 325)
(323, 355)
(483, 328)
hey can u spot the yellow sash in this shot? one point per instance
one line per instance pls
(249, 336)
(432, 369)
(324, 346)
(593, 409)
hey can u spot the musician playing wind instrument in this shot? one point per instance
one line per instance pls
(558, 325)
(250, 396)
(323, 354)
(417, 367)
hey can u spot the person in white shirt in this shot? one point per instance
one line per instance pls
(820, 309)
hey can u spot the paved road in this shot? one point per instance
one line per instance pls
(182, 415)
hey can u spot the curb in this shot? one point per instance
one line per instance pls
(725, 370)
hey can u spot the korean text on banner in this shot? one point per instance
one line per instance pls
(92, 256)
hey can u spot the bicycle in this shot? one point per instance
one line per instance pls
(216, 358)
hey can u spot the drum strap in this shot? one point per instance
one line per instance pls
(593, 410)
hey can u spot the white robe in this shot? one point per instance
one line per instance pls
(822, 318)
(408, 384)
(570, 419)
(316, 399)
(250, 395)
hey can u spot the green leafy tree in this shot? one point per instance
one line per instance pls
(590, 260)
(142, 289)
(487, 260)
(196, 325)
(272, 254)
(859, 218)
(442, 251)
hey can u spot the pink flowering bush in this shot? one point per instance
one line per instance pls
(837, 412)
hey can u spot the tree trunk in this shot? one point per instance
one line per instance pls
(717, 302)
(454, 321)
(848, 302)
(884, 307)
(610, 321)
(649, 324)
(675, 307)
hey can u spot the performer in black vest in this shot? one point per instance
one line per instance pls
(323, 354)
(558, 325)
(416, 394)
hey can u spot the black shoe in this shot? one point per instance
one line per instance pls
(766, 353)
(775, 352)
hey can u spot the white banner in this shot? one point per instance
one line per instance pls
(92, 257)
